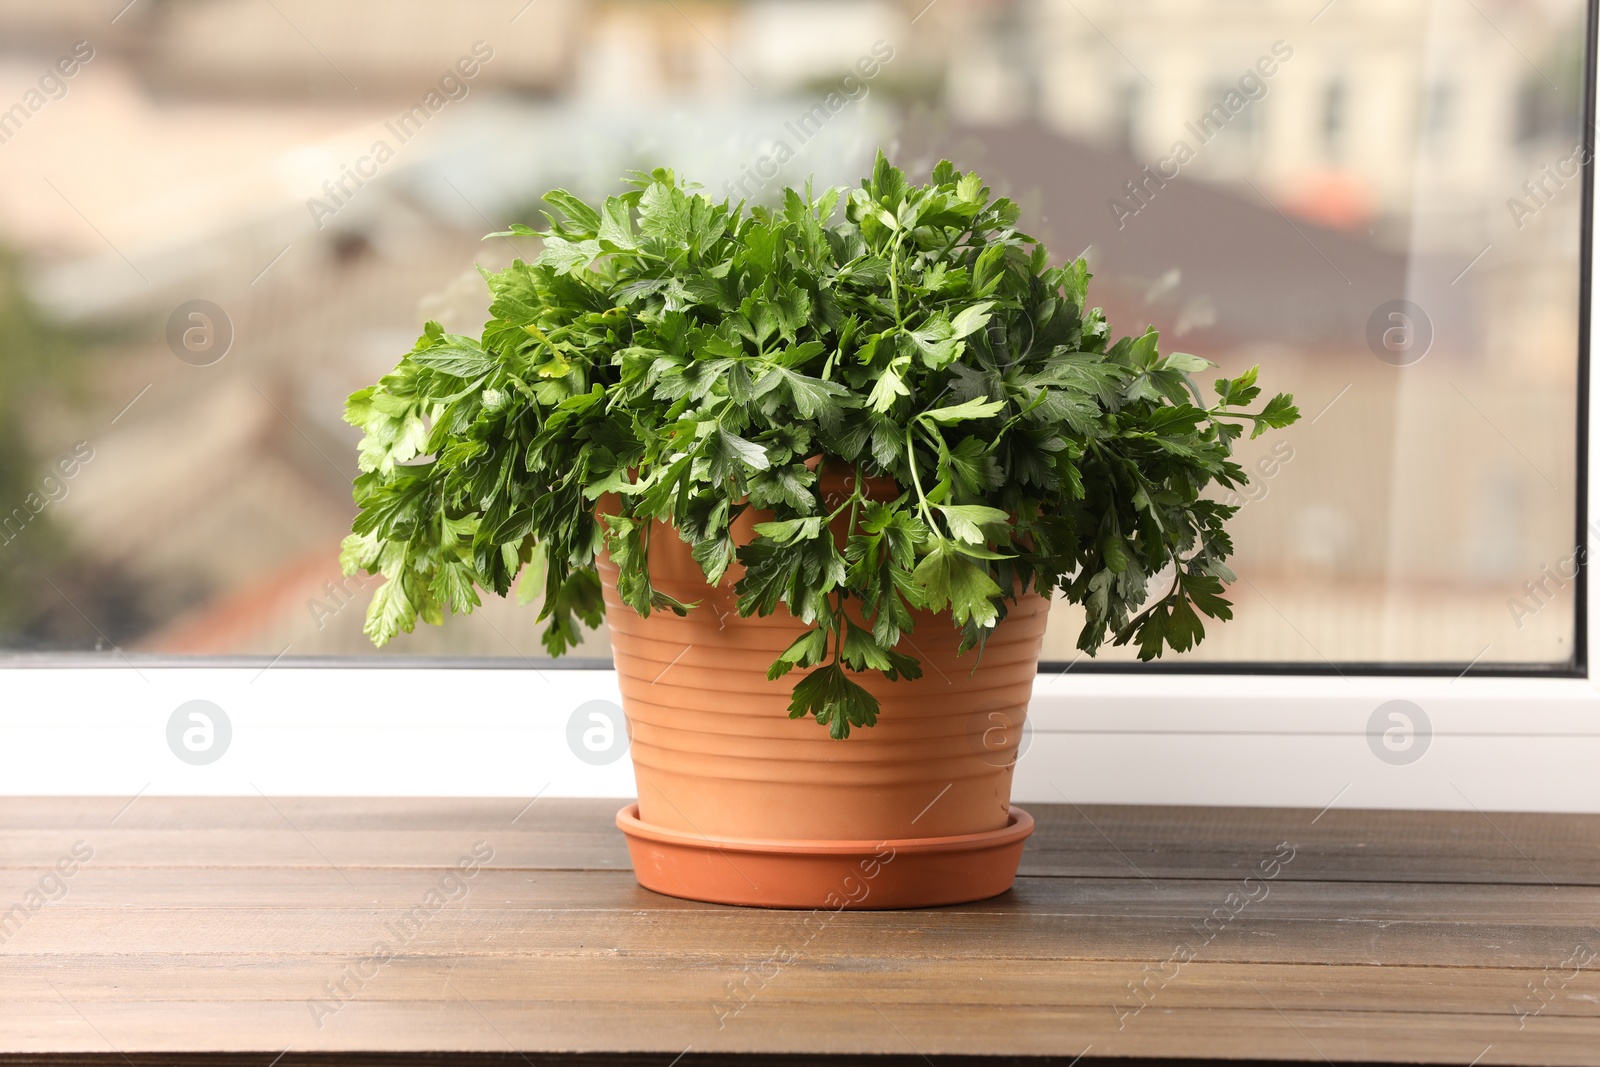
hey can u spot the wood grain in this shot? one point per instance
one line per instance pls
(1077, 841)
(228, 930)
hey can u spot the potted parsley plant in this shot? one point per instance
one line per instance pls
(821, 468)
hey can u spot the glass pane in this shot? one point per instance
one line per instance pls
(218, 219)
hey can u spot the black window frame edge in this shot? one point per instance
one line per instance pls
(1580, 603)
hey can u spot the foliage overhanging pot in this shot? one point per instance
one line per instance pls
(821, 477)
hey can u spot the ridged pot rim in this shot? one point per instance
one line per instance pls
(1019, 824)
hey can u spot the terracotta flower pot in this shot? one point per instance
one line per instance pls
(740, 804)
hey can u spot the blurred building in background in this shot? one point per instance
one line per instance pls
(1333, 162)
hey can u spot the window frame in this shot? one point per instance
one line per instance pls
(1500, 737)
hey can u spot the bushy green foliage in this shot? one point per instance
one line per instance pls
(691, 357)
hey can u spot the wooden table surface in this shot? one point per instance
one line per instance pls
(133, 932)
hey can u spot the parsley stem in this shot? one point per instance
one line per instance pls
(848, 503)
(916, 480)
(894, 287)
(855, 498)
(894, 271)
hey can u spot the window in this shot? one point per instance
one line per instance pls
(1224, 119)
(1334, 119)
(1438, 115)
(1125, 118)
(210, 236)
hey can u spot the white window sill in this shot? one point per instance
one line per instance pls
(1495, 744)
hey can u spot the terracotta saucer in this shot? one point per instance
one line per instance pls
(916, 872)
